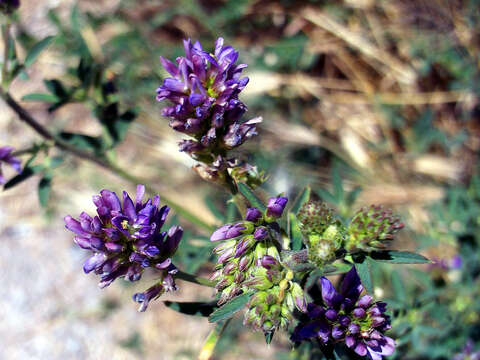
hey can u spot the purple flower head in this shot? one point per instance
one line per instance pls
(203, 90)
(125, 237)
(275, 206)
(346, 317)
(7, 157)
(8, 6)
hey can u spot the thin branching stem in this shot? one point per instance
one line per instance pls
(26, 117)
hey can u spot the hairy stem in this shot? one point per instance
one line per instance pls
(26, 117)
(194, 279)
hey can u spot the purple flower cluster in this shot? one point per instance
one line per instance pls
(346, 317)
(9, 5)
(7, 157)
(126, 238)
(204, 91)
(468, 353)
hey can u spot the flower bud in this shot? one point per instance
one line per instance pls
(275, 207)
(314, 217)
(260, 233)
(254, 215)
(244, 245)
(371, 229)
(150, 294)
(230, 231)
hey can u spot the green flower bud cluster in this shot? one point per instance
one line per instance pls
(372, 228)
(323, 234)
(277, 296)
(237, 267)
(243, 245)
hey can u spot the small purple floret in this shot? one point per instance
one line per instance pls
(7, 158)
(228, 232)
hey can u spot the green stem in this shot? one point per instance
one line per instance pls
(26, 117)
(212, 340)
(194, 279)
(6, 41)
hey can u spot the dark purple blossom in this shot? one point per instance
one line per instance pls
(275, 206)
(346, 317)
(7, 158)
(9, 5)
(125, 237)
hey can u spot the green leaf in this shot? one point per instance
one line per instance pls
(36, 50)
(364, 272)
(116, 124)
(398, 287)
(251, 197)
(230, 308)
(338, 269)
(294, 232)
(219, 215)
(122, 124)
(12, 51)
(83, 141)
(192, 308)
(44, 188)
(55, 162)
(313, 277)
(301, 199)
(24, 175)
(337, 184)
(231, 212)
(269, 336)
(399, 257)
(326, 196)
(41, 97)
(56, 87)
